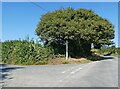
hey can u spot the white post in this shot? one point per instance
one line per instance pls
(66, 49)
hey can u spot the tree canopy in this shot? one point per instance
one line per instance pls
(80, 27)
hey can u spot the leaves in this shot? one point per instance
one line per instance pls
(24, 52)
(75, 25)
(63, 23)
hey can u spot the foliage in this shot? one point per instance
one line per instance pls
(80, 27)
(105, 50)
(117, 53)
(24, 52)
(118, 50)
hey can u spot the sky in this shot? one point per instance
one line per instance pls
(20, 19)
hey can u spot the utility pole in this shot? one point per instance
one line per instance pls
(66, 49)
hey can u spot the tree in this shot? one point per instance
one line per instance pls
(79, 27)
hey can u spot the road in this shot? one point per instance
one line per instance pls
(96, 74)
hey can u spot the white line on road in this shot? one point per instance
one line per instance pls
(70, 69)
(60, 80)
(76, 70)
(83, 67)
(63, 72)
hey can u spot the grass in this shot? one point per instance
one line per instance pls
(97, 51)
(116, 55)
(62, 60)
(82, 60)
(58, 59)
(69, 61)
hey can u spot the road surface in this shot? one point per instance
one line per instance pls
(96, 74)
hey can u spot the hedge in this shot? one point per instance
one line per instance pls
(24, 52)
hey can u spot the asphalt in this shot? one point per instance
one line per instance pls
(102, 73)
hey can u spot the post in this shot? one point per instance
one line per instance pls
(66, 49)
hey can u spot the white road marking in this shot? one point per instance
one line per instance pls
(70, 69)
(61, 80)
(63, 72)
(76, 70)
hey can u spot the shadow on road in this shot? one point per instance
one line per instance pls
(4, 71)
(108, 57)
(95, 57)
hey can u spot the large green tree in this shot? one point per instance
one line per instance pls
(79, 27)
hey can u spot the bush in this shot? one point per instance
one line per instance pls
(105, 50)
(24, 52)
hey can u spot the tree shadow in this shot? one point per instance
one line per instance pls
(4, 71)
(108, 57)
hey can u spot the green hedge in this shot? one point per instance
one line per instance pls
(105, 50)
(24, 52)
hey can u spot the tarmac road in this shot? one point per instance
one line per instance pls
(96, 74)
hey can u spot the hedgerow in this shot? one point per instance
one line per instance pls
(24, 52)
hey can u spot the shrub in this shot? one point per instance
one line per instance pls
(24, 52)
(105, 50)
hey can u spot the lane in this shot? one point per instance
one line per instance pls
(36, 76)
(100, 74)
(97, 74)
